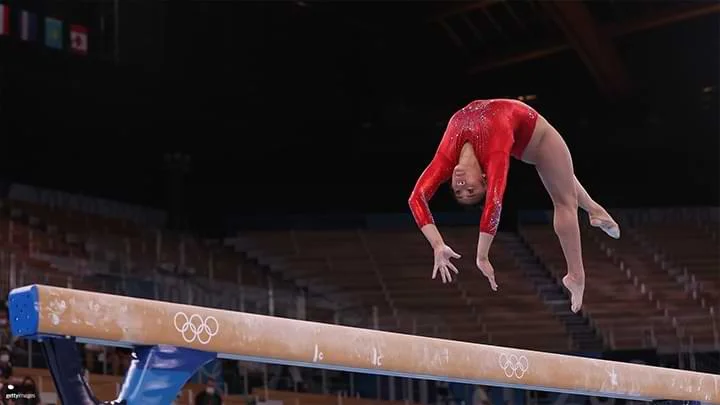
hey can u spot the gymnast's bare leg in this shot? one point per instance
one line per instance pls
(553, 162)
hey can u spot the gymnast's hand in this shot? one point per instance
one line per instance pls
(483, 263)
(443, 254)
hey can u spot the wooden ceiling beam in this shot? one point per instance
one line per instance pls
(595, 48)
(662, 18)
(463, 8)
(613, 30)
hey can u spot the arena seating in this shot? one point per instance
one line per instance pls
(687, 251)
(65, 248)
(516, 306)
(640, 290)
(106, 387)
(392, 269)
(611, 301)
(623, 278)
(64, 245)
(690, 247)
(694, 320)
(317, 399)
(387, 270)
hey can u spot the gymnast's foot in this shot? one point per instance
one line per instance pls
(577, 289)
(604, 221)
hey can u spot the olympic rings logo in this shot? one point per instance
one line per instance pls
(514, 365)
(196, 328)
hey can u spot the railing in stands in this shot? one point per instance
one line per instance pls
(682, 275)
(702, 217)
(716, 337)
(708, 361)
(684, 278)
(664, 215)
(649, 338)
(646, 291)
(658, 258)
(378, 275)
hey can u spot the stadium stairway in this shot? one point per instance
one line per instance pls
(553, 295)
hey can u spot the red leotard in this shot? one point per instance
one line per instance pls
(496, 129)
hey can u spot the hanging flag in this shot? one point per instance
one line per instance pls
(53, 33)
(4, 20)
(28, 26)
(79, 39)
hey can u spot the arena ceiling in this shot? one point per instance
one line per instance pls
(489, 35)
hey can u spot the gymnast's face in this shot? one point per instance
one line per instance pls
(468, 184)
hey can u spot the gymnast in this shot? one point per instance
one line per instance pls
(474, 154)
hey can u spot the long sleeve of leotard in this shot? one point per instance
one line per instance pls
(438, 171)
(496, 173)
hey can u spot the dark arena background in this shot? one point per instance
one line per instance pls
(258, 157)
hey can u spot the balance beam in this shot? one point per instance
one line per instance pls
(176, 330)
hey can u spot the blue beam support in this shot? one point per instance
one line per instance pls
(158, 373)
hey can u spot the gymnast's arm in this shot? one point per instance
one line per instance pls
(496, 173)
(436, 173)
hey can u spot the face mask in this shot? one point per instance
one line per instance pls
(4, 358)
(210, 390)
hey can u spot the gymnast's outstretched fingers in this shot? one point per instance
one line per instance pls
(443, 254)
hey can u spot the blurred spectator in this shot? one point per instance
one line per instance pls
(19, 351)
(29, 394)
(7, 391)
(298, 382)
(24, 393)
(119, 360)
(6, 365)
(480, 397)
(287, 379)
(210, 396)
(5, 338)
(92, 354)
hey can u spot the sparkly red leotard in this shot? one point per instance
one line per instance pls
(496, 129)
